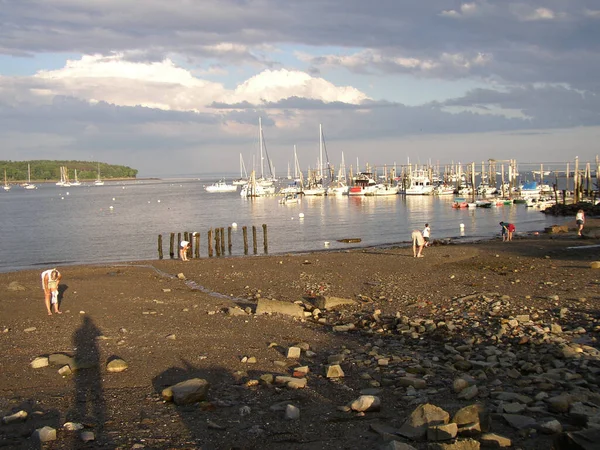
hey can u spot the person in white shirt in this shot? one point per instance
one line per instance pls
(417, 243)
(183, 250)
(50, 280)
(426, 233)
(580, 220)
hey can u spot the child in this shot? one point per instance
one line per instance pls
(426, 232)
(504, 231)
(580, 220)
(185, 246)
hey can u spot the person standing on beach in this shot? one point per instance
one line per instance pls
(183, 249)
(580, 220)
(426, 233)
(418, 241)
(50, 281)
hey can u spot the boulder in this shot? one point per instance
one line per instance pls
(265, 306)
(189, 391)
(325, 302)
(424, 416)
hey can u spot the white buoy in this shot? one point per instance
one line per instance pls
(462, 226)
(62, 198)
(301, 215)
(113, 199)
(234, 225)
(67, 193)
(158, 201)
(111, 207)
(326, 243)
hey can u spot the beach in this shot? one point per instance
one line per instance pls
(498, 316)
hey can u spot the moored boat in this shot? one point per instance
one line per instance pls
(221, 186)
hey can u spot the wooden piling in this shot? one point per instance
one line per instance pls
(229, 243)
(576, 181)
(222, 236)
(160, 252)
(172, 246)
(190, 250)
(178, 243)
(254, 243)
(217, 242)
(197, 245)
(245, 234)
(210, 245)
(265, 244)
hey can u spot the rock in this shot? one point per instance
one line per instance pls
(468, 415)
(189, 391)
(19, 416)
(344, 328)
(292, 413)
(559, 403)
(556, 229)
(595, 265)
(551, 427)
(39, 362)
(396, 445)
(45, 434)
(495, 441)
(235, 311)
(265, 306)
(467, 444)
(579, 440)
(60, 359)
(424, 416)
(291, 382)
(30, 329)
(518, 421)
(366, 403)
(15, 286)
(72, 426)
(442, 432)
(417, 383)
(65, 371)
(325, 302)
(460, 384)
(294, 352)
(87, 436)
(116, 365)
(181, 276)
(469, 393)
(334, 371)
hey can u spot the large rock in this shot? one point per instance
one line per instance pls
(189, 391)
(424, 416)
(116, 365)
(61, 359)
(39, 362)
(45, 434)
(366, 403)
(554, 229)
(579, 440)
(266, 306)
(467, 444)
(324, 302)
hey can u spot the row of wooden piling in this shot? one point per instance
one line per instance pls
(215, 242)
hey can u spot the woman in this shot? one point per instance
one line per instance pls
(580, 220)
(50, 280)
(183, 250)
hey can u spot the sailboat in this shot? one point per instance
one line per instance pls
(28, 185)
(317, 181)
(340, 185)
(262, 181)
(243, 179)
(99, 181)
(6, 185)
(76, 182)
(61, 182)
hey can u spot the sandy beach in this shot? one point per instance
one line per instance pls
(411, 328)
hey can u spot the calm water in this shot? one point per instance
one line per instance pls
(55, 226)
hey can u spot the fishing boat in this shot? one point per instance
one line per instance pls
(99, 181)
(381, 189)
(420, 184)
(28, 185)
(221, 186)
(363, 184)
(6, 186)
(443, 189)
(290, 199)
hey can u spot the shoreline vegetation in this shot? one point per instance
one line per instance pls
(46, 171)
(323, 350)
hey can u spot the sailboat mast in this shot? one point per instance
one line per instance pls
(260, 144)
(321, 152)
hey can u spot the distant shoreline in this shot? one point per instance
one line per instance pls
(91, 180)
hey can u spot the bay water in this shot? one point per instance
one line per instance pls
(120, 221)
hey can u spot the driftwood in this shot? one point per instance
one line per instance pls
(350, 240)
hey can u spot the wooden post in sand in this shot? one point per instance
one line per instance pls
(172, 246)
(210, 247)
(160, 253)
(217, 242)
(222, 234)
(197, 245)
(245, 233)
(229, 245)
(254, 246)
(178, 243)
(190, 250)
(265, 245)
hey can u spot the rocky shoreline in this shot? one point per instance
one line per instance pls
(485, 345)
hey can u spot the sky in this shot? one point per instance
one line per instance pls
(178, 87)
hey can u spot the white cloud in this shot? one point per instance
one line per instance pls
(595, 14)
(532, 15)
(163, 85)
